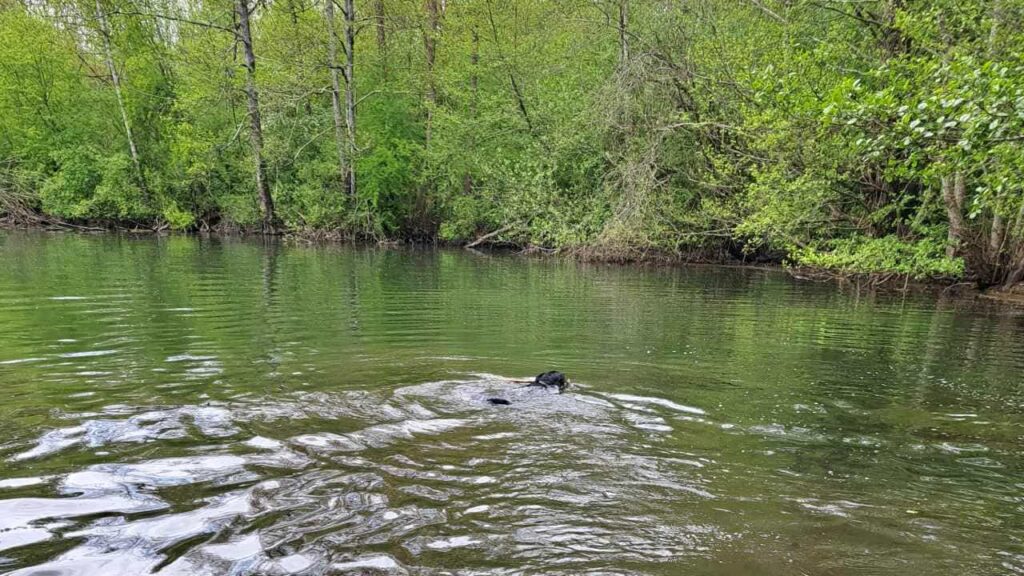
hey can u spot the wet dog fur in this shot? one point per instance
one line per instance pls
(546, 380)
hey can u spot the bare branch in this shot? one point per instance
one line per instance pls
(209, 25)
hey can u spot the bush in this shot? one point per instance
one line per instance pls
(177, 218)
(66, 193)
(920, 259)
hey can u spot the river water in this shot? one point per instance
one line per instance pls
(196, 406)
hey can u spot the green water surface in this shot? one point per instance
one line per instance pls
(214, 406)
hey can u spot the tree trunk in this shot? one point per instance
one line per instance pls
(350, 92)
(893, 40)
(998, 233)
(430, 47)
(379, 17)
(474, 61)
(995, 240)
(421, 208)
(332, 64)
(1017, 229)
(953, 192)
(1015, 276)
(623, 32)
(520, 100)
(994, 31)
(1016, 250)
(474, 79)
(115, 79)
(516, 92)
(255, 124)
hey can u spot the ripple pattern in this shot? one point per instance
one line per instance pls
(196, 406)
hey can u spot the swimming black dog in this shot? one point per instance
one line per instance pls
(547, 380)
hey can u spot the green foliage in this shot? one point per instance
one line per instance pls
(87, 185)
(919, 259)
(390, 181)
(818, 130)
(240, 209)
(783, 208)
(177, 218)
(68, 191)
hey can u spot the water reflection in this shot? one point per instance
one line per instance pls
(183, 406)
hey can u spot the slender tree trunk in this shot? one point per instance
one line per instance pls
(380, 19)
(995, 240)
(953, 192)
(334, 67)
(893, 39)
(1016, 250)
(115, 79)
(998, 232)
(994, 32)
(255, 124)
(350, 92)
(623, 31)
(430, 47)
(1017, 229)
(292, 12)
(474, 60)
(430, 33)
(516, 92)
(520, 100)
(1015, 276)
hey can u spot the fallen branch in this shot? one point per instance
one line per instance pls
(18, 213)
(490, 235)
(63, 224)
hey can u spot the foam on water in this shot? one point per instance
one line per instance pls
(392, 499)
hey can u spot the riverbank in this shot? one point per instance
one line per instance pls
(886, 281)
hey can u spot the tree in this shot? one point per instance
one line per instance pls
(339, 125)
(873, 137)
(115, 79)
(255, 123)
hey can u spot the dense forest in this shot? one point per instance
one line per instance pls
(874, 136)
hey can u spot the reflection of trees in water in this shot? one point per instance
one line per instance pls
(353, 301)
(269, 336)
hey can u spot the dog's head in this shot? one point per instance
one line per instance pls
(553, 379)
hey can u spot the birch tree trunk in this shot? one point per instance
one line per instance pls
(953, 192)
(255, 123)
(998, 232)
(115, 79)
(333, 66)
(350, 93)
(995, 241)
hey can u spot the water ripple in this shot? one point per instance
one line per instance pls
(211, 406)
